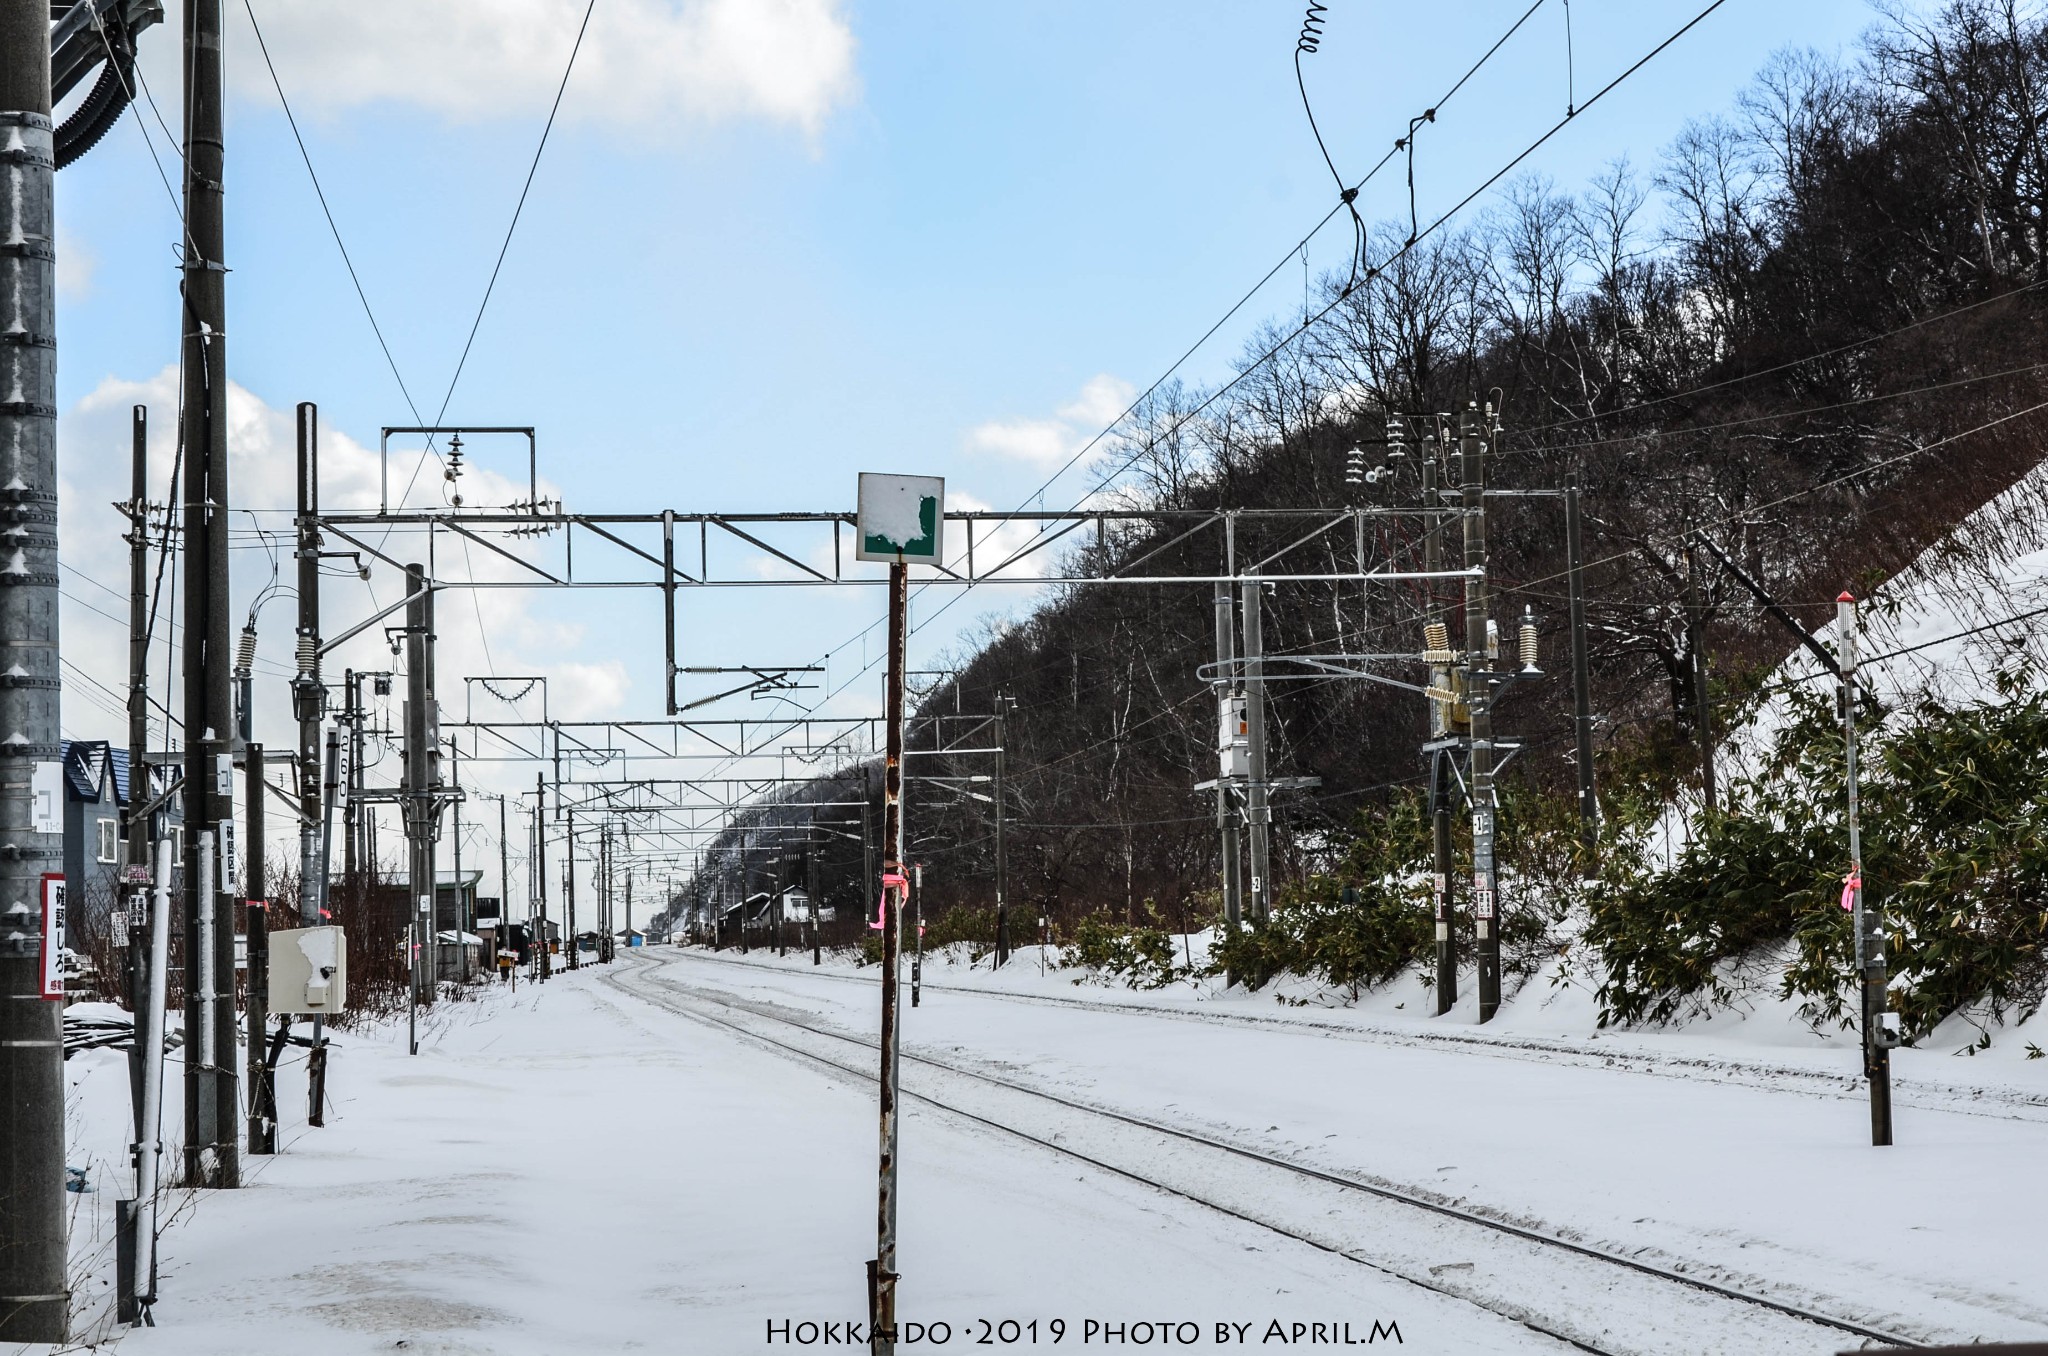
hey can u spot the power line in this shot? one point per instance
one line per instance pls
(361, 295)
(327, 211)
(1789, 364)
(1831, 408)
(1354, 190)
(114, 64)
(1307, 320)
(517, 209)
(1109, 428)
(1734, 518)
(1788, 684)
(1379, 269)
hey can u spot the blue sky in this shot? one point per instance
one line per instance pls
(776, 242)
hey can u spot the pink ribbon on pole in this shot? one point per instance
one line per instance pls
(1851, 883)
(890, 881)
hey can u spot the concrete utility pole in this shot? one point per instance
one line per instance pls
(569, 893)
(316, 1058)
(212, 1102)
(309, 697)
(422, 812)
(604, 891)
(355, 861)
(917, 926)
(1880, 1025)
(1003, 705)
(540, 870)
(1442, 759)
(1582, 678)
(134, 893)
(1696, 641)
(459, 920)
(1479, 700)
(1227, 814)
(33, 1298)
(810, 892)
(1259, 795)
(256, 1014)
(882, 1275)
(503, 932)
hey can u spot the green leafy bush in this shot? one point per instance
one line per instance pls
(1142, 957)
(1386, 925)
(1955, 854)
(1351, 946)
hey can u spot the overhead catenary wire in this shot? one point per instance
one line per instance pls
(1308, 321)
(1786, 366)
(1743, 514)
(1307, 44)
(1833, 407)
(327, 211)
(1301, 245)
(490, 287)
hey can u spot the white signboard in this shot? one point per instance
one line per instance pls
(900, 518)
(53, 936)
(230, 865)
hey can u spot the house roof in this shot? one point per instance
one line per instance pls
(88, 763)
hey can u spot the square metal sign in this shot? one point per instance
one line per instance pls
(900, 518)
(308, 971)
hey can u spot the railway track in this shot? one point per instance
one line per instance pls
(1592, 1298)
(1990, 1102)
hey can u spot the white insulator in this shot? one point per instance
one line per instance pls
(245, 652)
(1528, 644)
(1436, 636)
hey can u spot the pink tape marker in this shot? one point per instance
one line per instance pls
(1851, 883)
(890, 881)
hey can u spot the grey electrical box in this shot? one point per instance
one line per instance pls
(308, 971)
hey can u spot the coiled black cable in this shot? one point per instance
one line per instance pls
(1311, 28)
(1310, 41)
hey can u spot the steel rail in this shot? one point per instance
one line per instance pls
(1333, 1179)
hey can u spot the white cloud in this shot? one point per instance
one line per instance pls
(75, 266)
(1102, 399)
(1048, 443)
(94, 472)
(645, 63)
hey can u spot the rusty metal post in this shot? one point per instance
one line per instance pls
(882, 1272)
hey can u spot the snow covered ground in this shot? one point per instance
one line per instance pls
(619, 1161)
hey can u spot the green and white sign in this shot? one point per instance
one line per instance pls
(899, 518)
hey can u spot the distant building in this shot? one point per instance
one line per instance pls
(95, 794)
(461, 949)
(96, 798)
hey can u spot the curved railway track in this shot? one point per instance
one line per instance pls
(1592, 1298)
